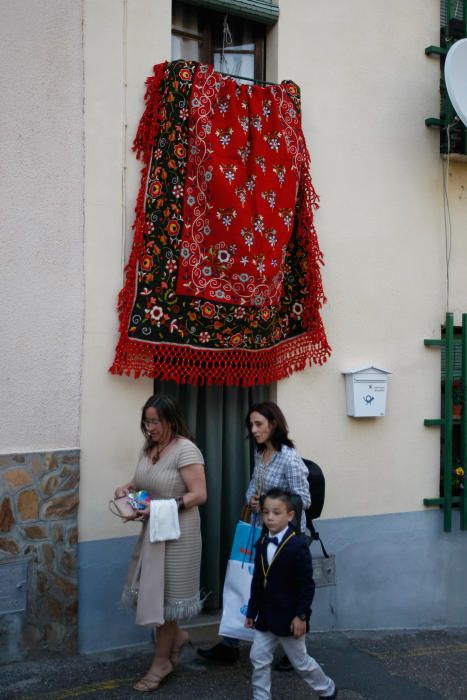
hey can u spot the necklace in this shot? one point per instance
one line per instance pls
(266, 460)
(278, 550)
(159, 450)
(261, 472)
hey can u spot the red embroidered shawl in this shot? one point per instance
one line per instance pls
(223, 284)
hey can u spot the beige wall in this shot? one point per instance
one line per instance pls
(378, 171)
(456, 184)
(41, 239)
(122, 42)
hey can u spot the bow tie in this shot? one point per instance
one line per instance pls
(272, 540)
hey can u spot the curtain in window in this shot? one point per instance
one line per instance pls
(264, 11)
(216, 417)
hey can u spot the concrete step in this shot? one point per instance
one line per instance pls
(204, 628)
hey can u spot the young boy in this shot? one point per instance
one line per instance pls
(280, 604)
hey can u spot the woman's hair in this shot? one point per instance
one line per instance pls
(280, 430)
(169, 411)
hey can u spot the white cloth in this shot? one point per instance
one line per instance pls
(271, 549)
(262, 653)
(163, 521)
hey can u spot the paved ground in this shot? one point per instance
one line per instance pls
(372, 666)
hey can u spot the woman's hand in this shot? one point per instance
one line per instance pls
(121, 491)
(254, 504)
(249, 623)
(142, 513)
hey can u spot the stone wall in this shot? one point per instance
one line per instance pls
(38, 527)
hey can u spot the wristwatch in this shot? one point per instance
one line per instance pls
(302, 616)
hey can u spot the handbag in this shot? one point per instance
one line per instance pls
(122, 508)
(237, 584)
(246, 513)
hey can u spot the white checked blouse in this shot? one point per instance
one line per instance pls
(285, 471)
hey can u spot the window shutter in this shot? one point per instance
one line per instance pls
(457, 365)
(262, 11)
(457, 10)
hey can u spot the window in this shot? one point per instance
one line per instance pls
(452, 16)
(232, 44)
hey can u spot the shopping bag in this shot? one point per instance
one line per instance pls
(237, 582)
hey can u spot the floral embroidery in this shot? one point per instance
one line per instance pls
(244, 152)
(220, 276)
(279, 170)
(267, 107)
(244, 123)
(224, 136)
(250, 183)
(228, 171)
(257, 123)
(270, 197)
(226, 216)
(261, 163)
(273, 140)
(241, 194)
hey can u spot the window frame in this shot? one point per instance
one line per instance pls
(209, 23)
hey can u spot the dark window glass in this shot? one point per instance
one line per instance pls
(232, 44)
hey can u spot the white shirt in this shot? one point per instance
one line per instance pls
(271, 550)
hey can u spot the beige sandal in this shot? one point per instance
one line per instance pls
(152, 680)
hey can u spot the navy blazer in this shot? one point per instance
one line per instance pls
(290, 587)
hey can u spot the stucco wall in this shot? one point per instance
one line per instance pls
(391, 573)
(456, 188)
(41, 243)
(378, 171)
(367, 87)
(122, 42)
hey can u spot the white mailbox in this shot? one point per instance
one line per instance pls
(366, 391)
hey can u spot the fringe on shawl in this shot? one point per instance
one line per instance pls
(232, 367)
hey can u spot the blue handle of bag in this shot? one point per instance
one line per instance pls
(251, 540)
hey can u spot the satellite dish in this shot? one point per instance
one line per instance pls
(455, 75)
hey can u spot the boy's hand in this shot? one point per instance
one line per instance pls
(249, 623)
(298, 627)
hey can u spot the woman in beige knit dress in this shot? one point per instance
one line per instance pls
(163, 578)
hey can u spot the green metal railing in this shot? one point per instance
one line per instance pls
(447, 500)
(453, 28)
